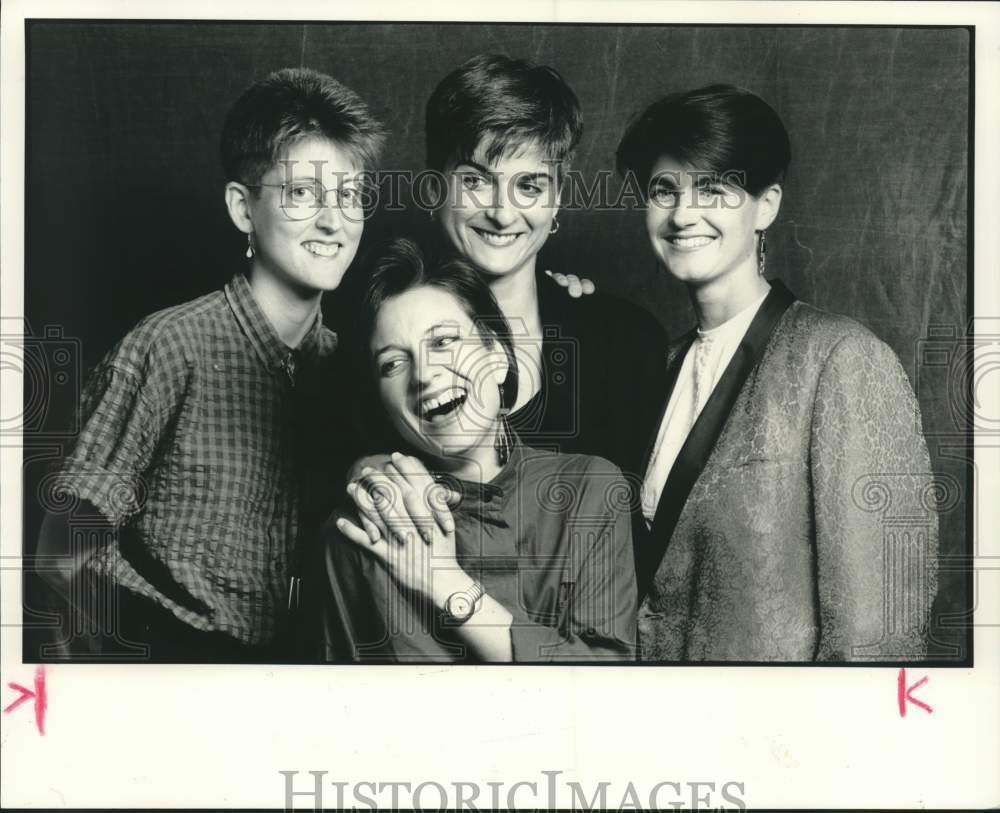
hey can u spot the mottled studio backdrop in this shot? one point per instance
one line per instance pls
(125, 211)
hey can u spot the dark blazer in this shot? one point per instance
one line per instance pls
(798, 523)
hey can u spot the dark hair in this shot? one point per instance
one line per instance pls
(405, 265)
(719, 128)
(289, 105)
(502, 104)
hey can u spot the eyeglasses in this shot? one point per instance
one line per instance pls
(302, 199)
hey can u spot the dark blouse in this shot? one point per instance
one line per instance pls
(549, 538)
(603, 378)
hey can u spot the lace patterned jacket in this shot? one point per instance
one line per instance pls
(808, 532)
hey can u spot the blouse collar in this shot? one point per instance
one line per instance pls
(487, 501)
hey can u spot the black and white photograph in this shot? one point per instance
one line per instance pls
(376, 355)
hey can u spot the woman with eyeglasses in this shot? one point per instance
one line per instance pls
(786, 431)
(535, 561)
(199, 428)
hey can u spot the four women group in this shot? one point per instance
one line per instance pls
(545, 478)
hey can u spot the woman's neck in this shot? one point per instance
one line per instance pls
(478, 464)
(291, 313)
(718, 301)
(517, 295)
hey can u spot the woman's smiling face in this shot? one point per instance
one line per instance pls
(702, 228)
(313, 253)
(499, 215)
(437, 378)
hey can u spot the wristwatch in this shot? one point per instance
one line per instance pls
(460, 606)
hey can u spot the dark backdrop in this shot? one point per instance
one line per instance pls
(125, 212)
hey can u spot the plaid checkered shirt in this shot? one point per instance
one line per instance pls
(196, 429)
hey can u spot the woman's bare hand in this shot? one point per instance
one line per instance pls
(406, 522)
(574, 285)
(439, 498)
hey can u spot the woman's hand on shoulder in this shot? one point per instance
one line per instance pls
(438, 497)
(574, 285)
(372, 461)
(406, 522)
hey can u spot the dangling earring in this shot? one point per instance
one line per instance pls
(504, 440)
(249, 254)
(555, 225)
(762, 252)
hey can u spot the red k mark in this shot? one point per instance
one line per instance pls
(38, 695)
(903, 693)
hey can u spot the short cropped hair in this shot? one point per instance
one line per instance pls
(287, 106)
(719, 128)
(406, 264)
(501, 104)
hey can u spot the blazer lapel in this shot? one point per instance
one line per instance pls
(674, 361)
(705, 433)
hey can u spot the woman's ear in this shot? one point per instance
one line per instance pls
(768, 204)
(436, 186)
(238, 206)
(557, 187)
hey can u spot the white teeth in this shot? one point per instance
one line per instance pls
(440, 400)
(322, 249)
(497, 239)
(690, 242)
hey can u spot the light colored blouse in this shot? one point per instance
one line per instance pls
(703, 366)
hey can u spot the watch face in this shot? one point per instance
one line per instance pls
(459, 606)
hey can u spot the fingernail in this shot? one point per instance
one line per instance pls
(395, 456)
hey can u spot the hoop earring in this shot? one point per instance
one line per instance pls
(555, 225)
(504, 440)
(762, 252)
(249, 254)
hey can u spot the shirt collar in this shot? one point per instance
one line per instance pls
(487, 501)
(271, 350)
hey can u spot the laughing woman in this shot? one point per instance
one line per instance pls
(534, 563)
(781, 420)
